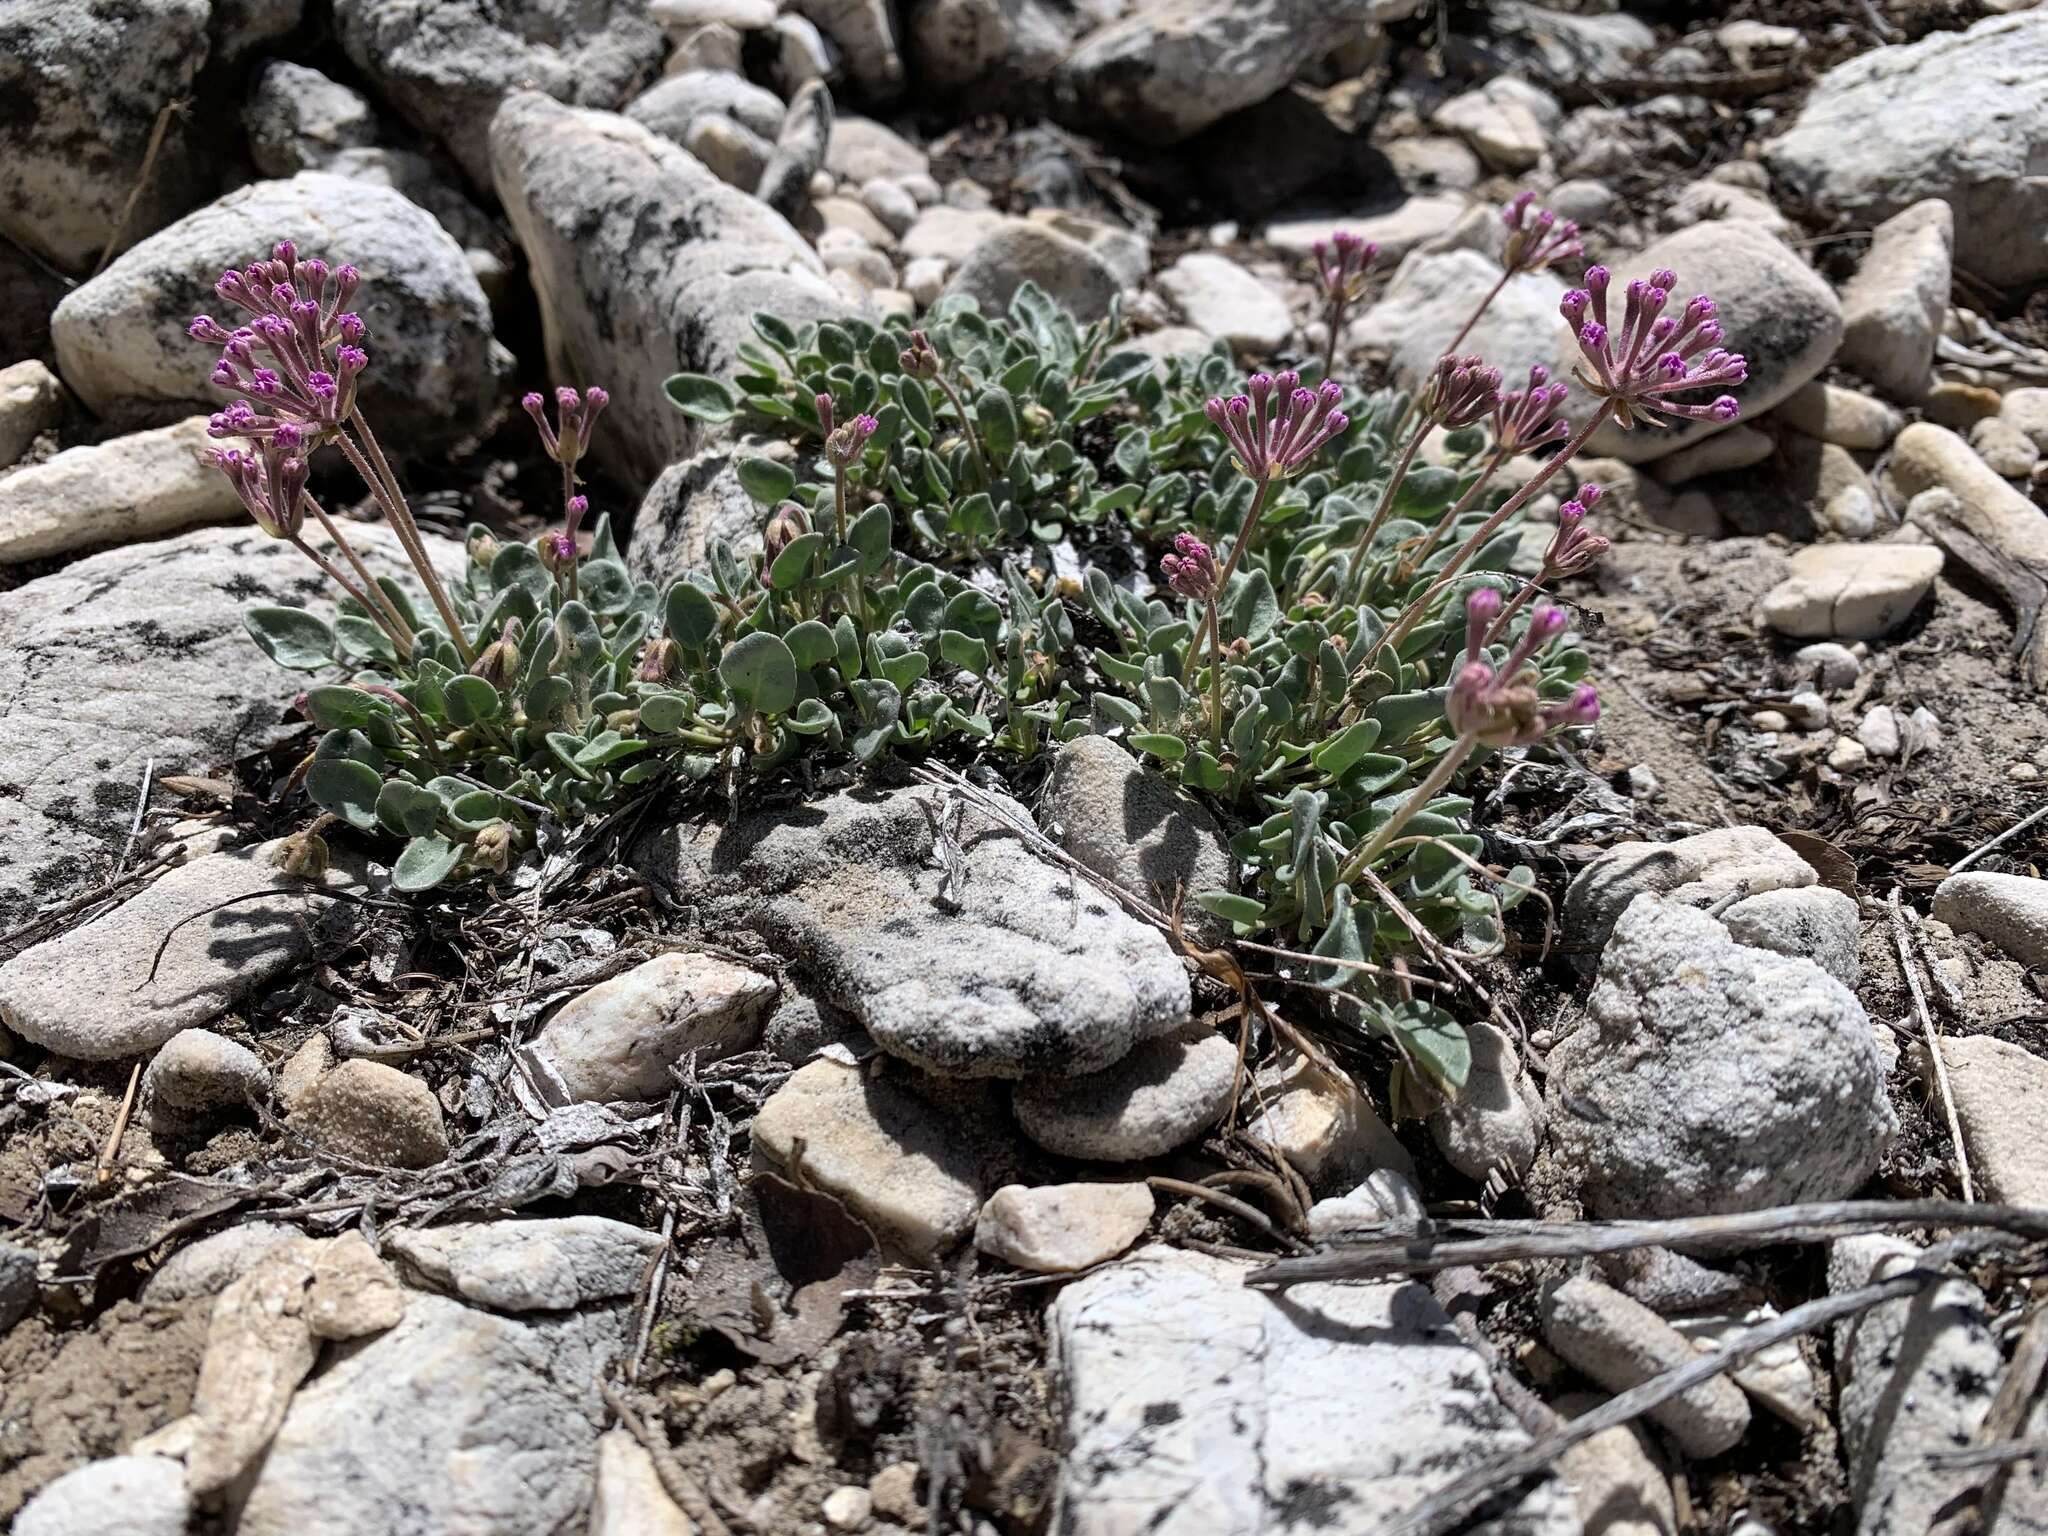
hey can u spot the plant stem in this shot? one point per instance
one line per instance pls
(1215, 680)
(839, 506)
(384, 485)
(1363, 855)
(379, 601)
(1336, 327)
(1244, 539)
(967, 429)
(329, 570)
(1379, 515)
(1491, 526)
(1515, 605)
(1449, 520)
(568, 492)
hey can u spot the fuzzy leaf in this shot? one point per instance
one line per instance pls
(766, 480)
(691, 615)
(424, 863)
(347, 788)
(291, 637)
(761, 672)
(700, 398)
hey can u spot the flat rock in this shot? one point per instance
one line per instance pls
(126, 489)
(674, 102)
(1998, 1090)
(2009, 910)
(1710, 1077)
(31, 403)
(1322, 1124)
(298, 119)
(1163, 1094)
(1850, 591)
(582, 189)
(1892, 309)
(629, 1499)
(1777, 312)
(1059, 1228)
(901, 1164)
(435, 371)
(862, 148)
(1429, 298)
(1954, 116)
(456, 1420)
(89, 993)
(619, 1039)
(550, 1265)
(374, 1114)
(1817, 922)
(1697, 870)
(1015, 969)
(1197, 1406)
(131, 1495)
(447, 71)
(1621, 1343)
(1016, 252)
(1219, 298)
(1131, 826)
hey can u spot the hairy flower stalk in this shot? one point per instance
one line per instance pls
(297, 361)
(1571, 551)
(1191, 571)
(566, 442)
(1486, 707)
(921, 361)
(1522, 419)
(1341, 265)
(843, 445)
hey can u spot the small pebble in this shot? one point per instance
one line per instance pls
(2003, 446)
(2023, 773)
(1847, 755)
(1828, 666)
(895, 1492)
(847, 1509)
(1879, 732)
(1643, 783)
(1770, 720)
(1808, 711)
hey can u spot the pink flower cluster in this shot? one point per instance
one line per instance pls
(299, 355)
(1276, 426)
(1638, 365)
(1191, 568)
(1501, 707)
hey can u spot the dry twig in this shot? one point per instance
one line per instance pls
(1929, 1040)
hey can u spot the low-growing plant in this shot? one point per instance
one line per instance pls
(1335, 642)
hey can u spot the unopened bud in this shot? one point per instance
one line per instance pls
(482, 549)
(303, 855)
(498, 663)
(493, 847)
(787, 526)
(661, 661)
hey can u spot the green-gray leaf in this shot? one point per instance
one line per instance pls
(347, 788)
(291, 637)
(424, 863)
(761, 672)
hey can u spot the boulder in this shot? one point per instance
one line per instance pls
(1016, 252)
(1219, 298)
(583, 191)
(298, 120)
(1955, 116)
(435, 370)
(121, 491)
(1429, 298)
(1893, 307)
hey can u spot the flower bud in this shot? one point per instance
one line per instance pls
(498, 663)
(661, 661)
(493, 847)
(303, 855)
(784, 529)
(482, 549)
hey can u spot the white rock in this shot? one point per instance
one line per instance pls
(629, 1499)
(1712, 1077)
(1323, 1125)
(1348, 1403)
(847, 1509)
(1431, 163)
(1847, 755)
(2004, 447)
(1879, 731)
(949, 234)
(844, 215)
(802, 53)
(1386, 1197)
(888, 201)
(1815, 922)
(1950, 117)
(1837, 415)
(121, 491)
(31, 402)
(1614, 1475)
(1621, 1343)
(1998, 1089)
(437, 367)
(1059, 1228)
(1830, 666)
(924, 279)
(1506, 121)
(1892, 308)
(1430, 296)
(1396, 232)
(1924, 729)
(1849, 513)
(1783, 316)
(730, 150)
(1697, 870)
(1851, 591)
(121, 1496)
(740, 15)
(1220, 298)
(1163, 1094)
(897, 1162)
(1777, 1376)
(549, 1265)
(1016, 252)
(1737, 448)
(298, 119)
(1710, 200)
(2026, 409)
(2009, 910)
(374, 1114)
(1124, 251)
(865, 32)
(862, 148)
(1808, 711)
(1496, 1119)
(1770, 721)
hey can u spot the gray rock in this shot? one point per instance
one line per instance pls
(733, 153)
(1711, 1077)
(297, 119)
(1219, 298)
(1169, 68)
(1321, 1123)
(692, 503)
(889, 202)
(1568, 53)
(2009, 910)
(1496, 1120)
(1387, 1197)
(629, 1499)
(1196, 1405)
(1697, 870)
(914, 1171)
(1850, 591)
(1832, 667)
(1777, 1376)
(1507, 121)
(582, 189)
(672, 104)
(619, 1039)
(1132, 827)
(1621, 1343)
(2004, 447)
(121, 342)
(1396, 231)
(89, 78)
(1615, 1476)
(211, 1265)
(805, 1022)
(862, 148)
(374, 1114)
(455, 1420)
(121, 1496)
(121, 491)
(1160, 1096)
(487, 247)
(1430, 296)
(448, 69)
(1015, 969)
(196, 1077)
(1816, 922)
(1893, 307)
(1668, 1282)
(17, 1284)
(869, 48)
(975, 49)
(1837, 415)
(89, 993)
(800, 146)
(1997, 1088)
(1016, 252)
(31, 403)
(1059, 1228)
(551, 1265)
(1953, 116)
(1777, 312)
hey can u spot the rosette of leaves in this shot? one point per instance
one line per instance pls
(990, 453)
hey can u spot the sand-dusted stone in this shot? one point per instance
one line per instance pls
(1164, 1093)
